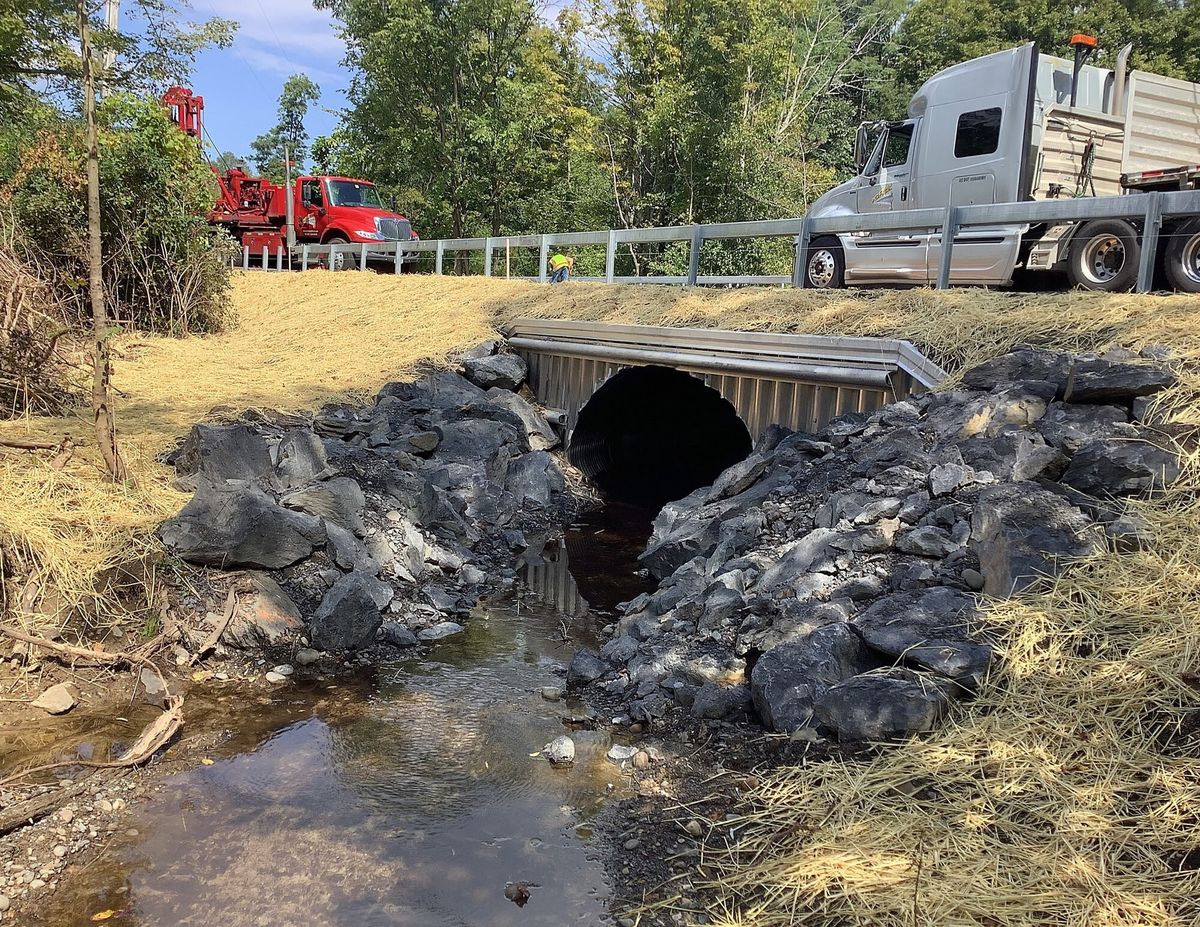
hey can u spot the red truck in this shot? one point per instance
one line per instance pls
(317, 209)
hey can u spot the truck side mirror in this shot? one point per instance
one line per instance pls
(860, 148)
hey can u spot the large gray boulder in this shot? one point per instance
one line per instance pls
(882, 705)
(537, 429)
(349, 615)
(1100, 380)
(1019, 364)
(788, 681)
(930, 630)
(1070, 426)
(506, 371)
(1022, 533)
(442, 389)
(216, 453)
(340, 501)
(795, 559)
(585, 668)
(535, 481)
(1114, 467)
(299, 460)
(237, 524)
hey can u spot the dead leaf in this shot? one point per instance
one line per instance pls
(103, 915)
(207, 762)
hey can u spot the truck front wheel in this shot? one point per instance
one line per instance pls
(341, 257)
(1183, 257)
(1104, 256)
(824, 265)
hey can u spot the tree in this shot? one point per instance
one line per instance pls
(288, 139)
(226, 161)
(106, 430)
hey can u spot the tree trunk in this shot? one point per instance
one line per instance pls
(106, 431)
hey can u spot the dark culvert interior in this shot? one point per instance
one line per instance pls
(652, 434)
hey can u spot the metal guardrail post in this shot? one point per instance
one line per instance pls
(266, 258)
(694, 255)
(802, 242)
(245, 257)
(362, 260)
(438, 255)
(488, 245)
(304, 257)
(398, 259)
(1150, 230)
(610, 256)
(543, 257)
(949, 229)
(279, 257)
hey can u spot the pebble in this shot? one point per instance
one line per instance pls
(641, 759)
(5, 904)
(307, 656)
(973, 578)
(694, 827)
(60, 851)
(551, 693)
(619, 753)
(66, 815)
(283, 669)
(57, 699)
(273, 676)
(561, 751)
(36, 884)
(104, 806)
(632, 843)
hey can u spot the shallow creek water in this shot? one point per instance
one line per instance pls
(409, 799)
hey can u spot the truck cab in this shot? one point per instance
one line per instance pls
(1009, 127)
(345, 209)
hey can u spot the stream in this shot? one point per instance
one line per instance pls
(411, 798)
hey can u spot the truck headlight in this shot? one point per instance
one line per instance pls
(369, 233)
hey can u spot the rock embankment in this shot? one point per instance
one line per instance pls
(829, 583)
(383, 523)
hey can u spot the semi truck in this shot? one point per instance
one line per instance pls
(277, 219)
(1012, 127)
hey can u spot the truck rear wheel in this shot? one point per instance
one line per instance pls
(1104, 256)
(1183, 257)
(824, 265)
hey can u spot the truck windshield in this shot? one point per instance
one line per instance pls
(354, 193)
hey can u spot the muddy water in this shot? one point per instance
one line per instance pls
(410, 800)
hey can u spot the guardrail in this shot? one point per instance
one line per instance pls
(1150, 208)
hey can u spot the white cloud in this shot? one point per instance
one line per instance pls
(280, 28)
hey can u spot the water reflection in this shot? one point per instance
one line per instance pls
(413, 803)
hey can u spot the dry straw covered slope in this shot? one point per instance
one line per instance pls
(1068, 794)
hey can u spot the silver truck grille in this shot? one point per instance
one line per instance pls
(395, 229)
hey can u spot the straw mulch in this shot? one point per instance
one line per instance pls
(1067, 794)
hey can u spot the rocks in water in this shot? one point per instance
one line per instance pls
(349, 614)
(1022, 534)
(440, 630)
(1114, 467)
(789, 680)
(236, 524)
(585, 668)
(560, 751)
(505, 371)
(58, 699)
(154, 687)
(397, 635)
(552, 693)
(264, 615)
(882, 705)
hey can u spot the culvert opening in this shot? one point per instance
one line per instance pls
(652, 434)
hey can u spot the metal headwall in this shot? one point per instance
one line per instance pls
(800, 381)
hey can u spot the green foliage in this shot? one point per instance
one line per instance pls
(288, 139)
(165, 267)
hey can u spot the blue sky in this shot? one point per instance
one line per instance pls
(275, 38)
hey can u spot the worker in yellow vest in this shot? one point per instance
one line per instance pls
(560, 267)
